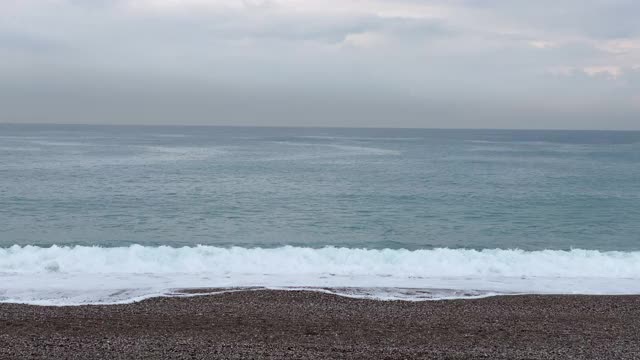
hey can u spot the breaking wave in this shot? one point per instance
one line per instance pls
(79, 274)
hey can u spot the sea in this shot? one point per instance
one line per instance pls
(116, 214)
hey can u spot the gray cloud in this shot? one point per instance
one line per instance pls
(598, 18)
(496, 63)
(22, 42)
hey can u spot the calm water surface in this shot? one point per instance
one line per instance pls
(358, 188)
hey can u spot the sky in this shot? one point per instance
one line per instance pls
(569, 64)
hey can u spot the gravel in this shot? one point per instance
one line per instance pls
(269, 324)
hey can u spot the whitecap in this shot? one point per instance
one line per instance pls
(82, 274)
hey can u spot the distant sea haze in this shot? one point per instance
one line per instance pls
(107, 214)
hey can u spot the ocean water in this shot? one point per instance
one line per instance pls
(107, 214)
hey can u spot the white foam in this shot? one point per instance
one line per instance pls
(164, 153)
(365, 150)
(363, 138)
(139, 155)
(79, 275)
(316, 151)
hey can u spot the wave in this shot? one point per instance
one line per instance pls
(364, 150)
(363, 138)
(80, 274)
(345, 149)
(329, 260)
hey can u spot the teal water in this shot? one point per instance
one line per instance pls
(358, 188)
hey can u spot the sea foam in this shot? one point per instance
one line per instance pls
(75, 275)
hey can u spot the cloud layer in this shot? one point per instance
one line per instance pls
(419, 63)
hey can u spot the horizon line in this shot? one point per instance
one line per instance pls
(314, 127)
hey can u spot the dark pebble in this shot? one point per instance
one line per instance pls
(307, 325)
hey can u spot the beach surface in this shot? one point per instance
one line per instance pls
(269, 324)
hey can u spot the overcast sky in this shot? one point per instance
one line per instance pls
(392, 63)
